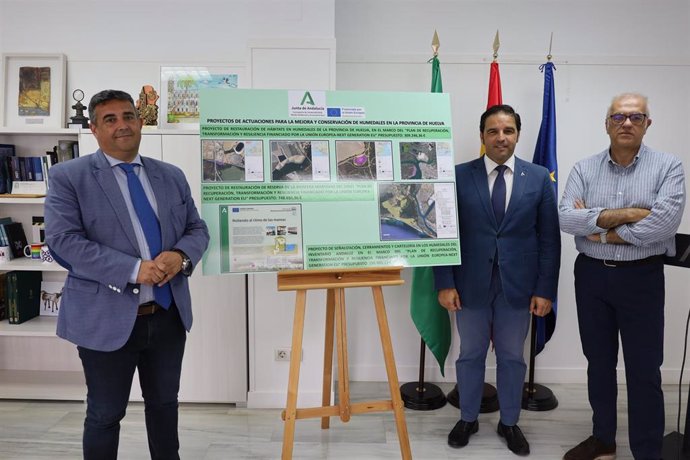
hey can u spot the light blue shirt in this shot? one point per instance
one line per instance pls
(654, 181)
(145, 290)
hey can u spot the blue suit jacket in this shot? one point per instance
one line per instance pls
(89, 229)
(528, 241)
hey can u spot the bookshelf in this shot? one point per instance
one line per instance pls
(34, 362)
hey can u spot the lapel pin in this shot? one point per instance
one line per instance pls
(522, 173)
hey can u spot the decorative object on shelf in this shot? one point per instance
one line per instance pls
(34, 90)
(33, 250)
(51, 291)
(146, 105)
(79, 120)
(16, 238)
(5, 255)
(67, 150)
(46, 256)
(180, 91)
(38, 229)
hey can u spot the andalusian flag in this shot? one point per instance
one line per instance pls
(545, 155)
(430, 318)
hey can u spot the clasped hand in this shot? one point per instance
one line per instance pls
(161, 269)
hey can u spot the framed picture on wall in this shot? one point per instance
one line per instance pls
(33, 90)
(180, 91)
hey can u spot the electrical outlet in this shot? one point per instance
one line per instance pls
(282, 354)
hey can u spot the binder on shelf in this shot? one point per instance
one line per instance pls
(23, 290)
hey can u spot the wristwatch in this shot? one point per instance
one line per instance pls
(187, 267)
(602, 237)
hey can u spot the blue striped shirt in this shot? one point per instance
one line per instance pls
(654, 181)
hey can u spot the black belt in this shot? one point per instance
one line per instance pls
(148, 308)
(626, 263)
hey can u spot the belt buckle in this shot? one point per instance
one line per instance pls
(612, 265)
(150, 308)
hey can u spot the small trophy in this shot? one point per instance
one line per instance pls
(146, 105)
(79, 120)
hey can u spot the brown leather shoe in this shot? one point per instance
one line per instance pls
(591, 449)
(514, 438)
(459, 436)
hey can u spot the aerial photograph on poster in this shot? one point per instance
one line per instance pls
(418, 160)
(407, 211)
(364, 160)
(232, 160)
(299, 160)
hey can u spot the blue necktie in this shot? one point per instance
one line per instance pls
(150, 225)
(498, 195)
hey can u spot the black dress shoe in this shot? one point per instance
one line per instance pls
(514, 437)
(459, 436)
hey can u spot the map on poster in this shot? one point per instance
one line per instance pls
(326, 179)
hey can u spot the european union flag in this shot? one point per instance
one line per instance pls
(333, 111)
(545, 155)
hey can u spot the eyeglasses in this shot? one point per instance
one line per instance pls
(635, 118)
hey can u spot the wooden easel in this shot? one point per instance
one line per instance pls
(335, 281)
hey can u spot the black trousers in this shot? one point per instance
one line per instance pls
(625, 300)
(155, 348)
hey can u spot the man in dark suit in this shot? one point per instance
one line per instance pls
(126, 228)
(510, 257)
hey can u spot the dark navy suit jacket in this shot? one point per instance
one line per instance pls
(90, 230)
(527, 243)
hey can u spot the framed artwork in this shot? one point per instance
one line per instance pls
(33, 90)
(179, 95)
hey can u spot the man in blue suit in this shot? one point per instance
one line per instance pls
(510, 257)
(126, 228)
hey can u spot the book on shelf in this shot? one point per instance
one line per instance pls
(3, 234)
(51, 291)
(3, 295)
(16, 238)
(23, 294)
(6, 150)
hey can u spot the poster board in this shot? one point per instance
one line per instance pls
(326, 179)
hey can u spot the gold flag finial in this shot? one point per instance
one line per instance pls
(549, 56)
(497, 45)
(435, 44)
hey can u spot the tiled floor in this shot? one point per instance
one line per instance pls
(52, 430)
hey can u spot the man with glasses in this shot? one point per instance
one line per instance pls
(624, 206)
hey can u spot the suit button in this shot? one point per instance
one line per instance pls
(135, 290)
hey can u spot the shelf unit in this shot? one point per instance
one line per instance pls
(34, 362)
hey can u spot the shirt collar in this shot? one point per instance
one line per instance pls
(491, 164)
(637, 156)
(114, 161)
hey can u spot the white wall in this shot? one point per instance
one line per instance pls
(599, 49)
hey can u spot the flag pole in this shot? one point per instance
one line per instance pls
(489, 393)
(421, 395)
(536, 397)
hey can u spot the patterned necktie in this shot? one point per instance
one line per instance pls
(150, 226)
(498, 195)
